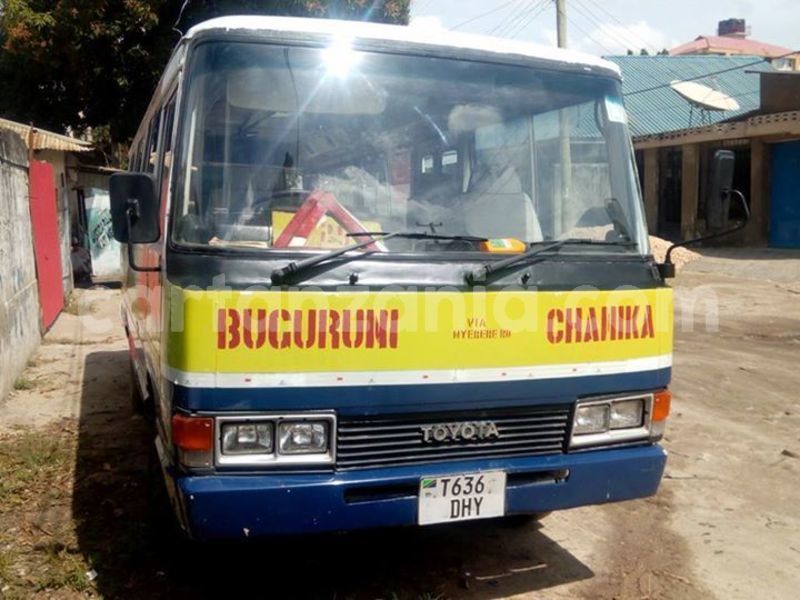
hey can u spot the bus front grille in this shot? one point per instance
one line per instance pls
(385, 441)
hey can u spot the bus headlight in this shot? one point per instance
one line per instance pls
(275, 440)
(609, 421)
(626, 414)
(592, 418)
(247, 438)
(305, 437)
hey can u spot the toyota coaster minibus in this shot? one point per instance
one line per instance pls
(378, 276)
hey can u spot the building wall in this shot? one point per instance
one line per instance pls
(19, 299)
(59, 162)
(780, 92)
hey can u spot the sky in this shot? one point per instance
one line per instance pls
(607, 27)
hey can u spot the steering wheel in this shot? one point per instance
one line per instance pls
(316, 205)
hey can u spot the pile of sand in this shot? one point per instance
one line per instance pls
(680, 256)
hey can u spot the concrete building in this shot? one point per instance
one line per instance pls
(732, 40)
(60, 152)
(35, 244)
(674, 154)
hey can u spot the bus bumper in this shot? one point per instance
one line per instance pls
(237, 505)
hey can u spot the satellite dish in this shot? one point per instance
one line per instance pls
(704, 97)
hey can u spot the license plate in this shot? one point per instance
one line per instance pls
(462, 497)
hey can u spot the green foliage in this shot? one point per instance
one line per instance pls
(21, 384)
(95, 63)
(383, 11)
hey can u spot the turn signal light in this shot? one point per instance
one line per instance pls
(661, 405)
(193, 434)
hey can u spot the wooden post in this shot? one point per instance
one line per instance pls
(651, 187)
(690, 177)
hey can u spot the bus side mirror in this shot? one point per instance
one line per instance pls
(718, 203)
(134, 209)
(134, 212)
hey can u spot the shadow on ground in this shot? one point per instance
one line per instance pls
(133, 557)
(93, 283)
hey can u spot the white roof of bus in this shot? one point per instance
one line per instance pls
(400, 33)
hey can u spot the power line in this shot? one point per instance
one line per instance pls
(614, 38)
(586, 33)
(602, 9)
(583, 10)
(523, 24)
(424, 6)
(485, 14)
(712, 73)
(530, 20)
(632, 37)
(639, 41)
(640, 118)
(509, 19)
(571, 19)
(514, 19)
(625, 43)
(661, 107)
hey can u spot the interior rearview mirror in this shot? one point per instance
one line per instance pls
(718, 202)
(134, 208)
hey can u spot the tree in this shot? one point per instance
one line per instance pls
(94, 63)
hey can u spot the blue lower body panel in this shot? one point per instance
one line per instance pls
(237, 506)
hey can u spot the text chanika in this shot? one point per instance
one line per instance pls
(606, 323)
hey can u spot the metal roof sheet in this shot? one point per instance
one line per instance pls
(731, 44)
(41, 139)
(654, 111)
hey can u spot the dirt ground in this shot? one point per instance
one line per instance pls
(75, 519)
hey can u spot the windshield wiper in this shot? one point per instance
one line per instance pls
(480, 274)
(278, 276)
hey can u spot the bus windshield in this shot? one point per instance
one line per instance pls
(288, 147)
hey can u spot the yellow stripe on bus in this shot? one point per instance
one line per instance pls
(306, 331)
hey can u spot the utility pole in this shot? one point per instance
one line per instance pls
(561, 209)
(561, 22)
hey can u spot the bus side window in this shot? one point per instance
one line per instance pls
(142, 154)
(168, 119)
(139, 158)
(151, 151)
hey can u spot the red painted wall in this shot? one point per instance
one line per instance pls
(44, 218)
